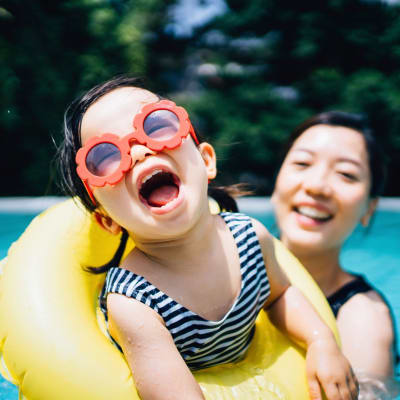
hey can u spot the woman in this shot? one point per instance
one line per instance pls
(330, 180)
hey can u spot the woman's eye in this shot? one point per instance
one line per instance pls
(349, 176)
(301, 163)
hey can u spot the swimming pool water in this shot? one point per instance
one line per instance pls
(375, 253)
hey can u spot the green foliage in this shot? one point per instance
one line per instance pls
(248, 76)
(297, 59)
(50, 52)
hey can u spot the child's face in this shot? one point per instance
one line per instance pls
(164, 193)
(322, 189)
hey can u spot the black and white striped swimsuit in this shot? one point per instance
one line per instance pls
(203, 343)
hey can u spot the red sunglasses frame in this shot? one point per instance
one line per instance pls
(124, 144)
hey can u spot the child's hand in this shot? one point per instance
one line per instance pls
(329, 369)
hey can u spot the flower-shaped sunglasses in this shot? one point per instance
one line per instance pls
(105, 159)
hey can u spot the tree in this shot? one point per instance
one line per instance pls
(247, 76)
(49, 52)
(265, 65)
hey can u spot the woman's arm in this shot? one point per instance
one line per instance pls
(366, 331)
(292, 313)
(158, 369)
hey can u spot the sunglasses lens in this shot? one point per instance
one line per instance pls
(161, 125)
(103, 159)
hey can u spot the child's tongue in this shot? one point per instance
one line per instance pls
(162, 195)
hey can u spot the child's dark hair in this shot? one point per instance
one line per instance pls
(359, 123)
(72, 185)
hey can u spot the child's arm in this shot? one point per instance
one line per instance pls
(158, 369)
(292, 313)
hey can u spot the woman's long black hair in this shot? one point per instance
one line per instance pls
(72, 185)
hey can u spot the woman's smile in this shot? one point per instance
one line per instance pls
(309, 216)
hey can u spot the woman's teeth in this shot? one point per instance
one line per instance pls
(312, 212)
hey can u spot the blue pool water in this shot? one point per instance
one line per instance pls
(375, 253)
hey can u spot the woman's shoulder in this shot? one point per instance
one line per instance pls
(359, 297)
(369, 302)
(367, 333)
(367, 314)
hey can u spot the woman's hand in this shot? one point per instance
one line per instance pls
(328, 368)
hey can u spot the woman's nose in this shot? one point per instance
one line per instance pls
(139, 153)
(317, 183)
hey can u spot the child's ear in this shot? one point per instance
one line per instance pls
(107, 223)
(210, 160)
(369, 213)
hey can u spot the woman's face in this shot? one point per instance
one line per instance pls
(322, 189)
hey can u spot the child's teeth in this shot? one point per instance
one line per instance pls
(155, 172)
(312, 212)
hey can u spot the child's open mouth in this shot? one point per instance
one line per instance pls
(159, 188)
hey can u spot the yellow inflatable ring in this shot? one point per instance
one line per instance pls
(52, 340)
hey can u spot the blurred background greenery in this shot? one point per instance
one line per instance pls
(248, 72)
